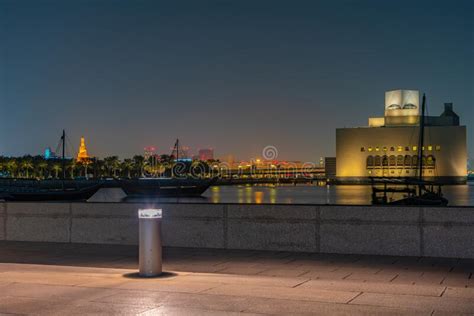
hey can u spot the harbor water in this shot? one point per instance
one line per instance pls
(458, 195)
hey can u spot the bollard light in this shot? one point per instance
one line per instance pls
(150, 255)
(150, 213)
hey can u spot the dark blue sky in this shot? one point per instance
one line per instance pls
(234, 75)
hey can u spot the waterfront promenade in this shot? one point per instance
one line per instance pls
(57, 278)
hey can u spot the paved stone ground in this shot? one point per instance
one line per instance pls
(67, 279)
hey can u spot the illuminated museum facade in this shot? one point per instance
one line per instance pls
(388, 147)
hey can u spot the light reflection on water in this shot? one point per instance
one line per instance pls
(290, 194)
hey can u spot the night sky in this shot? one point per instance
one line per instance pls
(233, 75)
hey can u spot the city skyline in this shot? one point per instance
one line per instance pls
(233, 76)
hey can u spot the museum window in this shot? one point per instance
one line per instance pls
(370, 161)
(407, 162)
(415, 148)
(430, 148)
(438, 147)
(392, 148)
(400, 160)
(399, 148)
(430, 161)
(384, 161)
(384, 148)
(362, 148)
(369, 149)
(377, 148)
(392, 160)
(377, 161)
(414, 161)
(407, 148)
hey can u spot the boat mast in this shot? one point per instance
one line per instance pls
(177, 149)
(63, 139)
(420, 144)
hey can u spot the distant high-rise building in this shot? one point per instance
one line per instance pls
(82, 155)
(229, 159)
(330, 168)
(149, 151)
(206, 154)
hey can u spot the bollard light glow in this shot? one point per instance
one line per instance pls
(150, 213)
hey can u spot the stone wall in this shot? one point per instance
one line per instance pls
(400, 231)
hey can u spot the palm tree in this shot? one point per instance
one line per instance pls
(56, 168)
(72, 165)
(98, 165)
(41, 167)
(85, 163)
(12, 167)
(139, 164)
(127, 165)
(112, 164)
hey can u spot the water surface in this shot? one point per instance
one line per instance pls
(462, 195)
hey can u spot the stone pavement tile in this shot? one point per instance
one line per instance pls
(295, 307)
(303, 294)
(359, 270)
(180, 311)
(248, 280)
(241, 270)
(311, 264)
(165, 285)
(210, 260)
(201, 301)
(457, 279)
(370, 277)
(168, 286)
(8, 267)
(318, 268)
(45, 278)
(97, 308)
(416, 278)
(444, 313)
(325, 275)
(459, 292)
(374, 287)
(191, 267)
(26, 305)
(236, 264)
(283, 272)
(110, 283)
(54, 292)
(425, 303)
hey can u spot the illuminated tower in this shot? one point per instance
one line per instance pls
(82, 154)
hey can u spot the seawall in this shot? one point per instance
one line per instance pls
(394, 230)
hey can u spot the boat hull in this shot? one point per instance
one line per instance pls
(166, 187)
(31, 194)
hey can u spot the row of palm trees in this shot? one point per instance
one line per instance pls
(38, 167)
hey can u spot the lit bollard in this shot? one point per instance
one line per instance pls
(149, 257)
